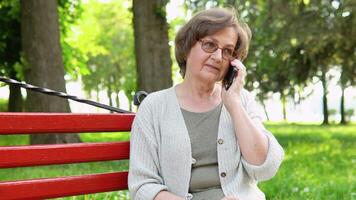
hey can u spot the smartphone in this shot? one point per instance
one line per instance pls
(230, 76)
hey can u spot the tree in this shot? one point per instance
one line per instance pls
(293, 43)
(267, 60)
(10, 47)
(105, 44)
(346, 54)
(10, 43)
(43, 62)
(153, 59)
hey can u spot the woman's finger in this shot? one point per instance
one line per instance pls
(241, 67)
(238, 64)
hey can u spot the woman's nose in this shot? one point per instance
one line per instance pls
(217, 55)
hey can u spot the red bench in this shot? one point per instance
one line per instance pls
(35, 155)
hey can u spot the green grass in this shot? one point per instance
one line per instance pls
(319, 163)
(69, 169)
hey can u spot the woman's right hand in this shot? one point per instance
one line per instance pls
(230, 198)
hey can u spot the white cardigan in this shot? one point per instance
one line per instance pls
(161, 157)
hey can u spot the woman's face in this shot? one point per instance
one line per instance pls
(211, 67)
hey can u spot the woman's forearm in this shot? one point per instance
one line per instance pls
(253, 142)
(163, 195)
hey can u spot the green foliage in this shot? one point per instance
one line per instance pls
(104, 39)
(10, 37)
(70, 12)
(10, 41)
(161, 11)
(196, 6)
(3, 105)
(293, 41)
(174, 25)
(346, 43)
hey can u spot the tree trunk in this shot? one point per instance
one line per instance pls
(325, 99)
(265, 110)
(116, 90)
(264, 107)
(15, 97)
(342, 106)
(108, 93)
(117, 99)
(284, 105)
(44, 65)
(151, 45)
(97, 92)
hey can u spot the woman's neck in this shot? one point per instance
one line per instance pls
(198, 97)
(198, 90)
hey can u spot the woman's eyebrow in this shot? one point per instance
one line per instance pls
(215, 40)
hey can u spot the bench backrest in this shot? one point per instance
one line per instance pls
(35, 155)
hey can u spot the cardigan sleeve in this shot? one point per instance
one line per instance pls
(144, 180)
(275, 153)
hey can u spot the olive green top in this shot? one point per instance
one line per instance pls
(203, 131)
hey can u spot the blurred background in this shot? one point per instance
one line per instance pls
(301, 67)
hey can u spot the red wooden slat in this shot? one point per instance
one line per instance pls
(20, 156)
(61, 187)
(25, 123)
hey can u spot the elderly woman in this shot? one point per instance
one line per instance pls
(200, 139)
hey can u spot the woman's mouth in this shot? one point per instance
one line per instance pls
(213, 67)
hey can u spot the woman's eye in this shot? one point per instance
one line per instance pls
(210, 45)
(228, 51)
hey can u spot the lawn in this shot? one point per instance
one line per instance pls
(319, 163)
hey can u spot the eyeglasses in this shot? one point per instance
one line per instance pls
(210, 47)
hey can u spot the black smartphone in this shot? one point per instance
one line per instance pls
(230, 76)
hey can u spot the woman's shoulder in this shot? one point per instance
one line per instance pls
(159, 96)
(157, 99)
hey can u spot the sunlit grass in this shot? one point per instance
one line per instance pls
(319, 163)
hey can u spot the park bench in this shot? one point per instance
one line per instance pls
(50, 154)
